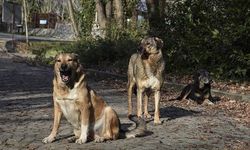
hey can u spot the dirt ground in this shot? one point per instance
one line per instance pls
(26, 115)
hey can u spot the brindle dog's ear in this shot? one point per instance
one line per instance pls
(140, 47)
(159, 42)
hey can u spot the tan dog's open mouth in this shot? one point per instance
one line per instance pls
(65, 75)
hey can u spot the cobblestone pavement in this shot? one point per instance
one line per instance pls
(26, 117)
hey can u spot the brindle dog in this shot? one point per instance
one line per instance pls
(145, 75)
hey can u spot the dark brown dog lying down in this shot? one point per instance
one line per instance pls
(199, 90)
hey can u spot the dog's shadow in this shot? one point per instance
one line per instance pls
(125, 128)
(173, 112)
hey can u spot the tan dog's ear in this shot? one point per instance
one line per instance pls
(75, 57)
(56, 57)
(79, 69)
(159, 42)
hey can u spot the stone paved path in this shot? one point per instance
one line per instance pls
(26, 117)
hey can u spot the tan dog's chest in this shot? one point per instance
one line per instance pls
(69, 107)
(72, 113)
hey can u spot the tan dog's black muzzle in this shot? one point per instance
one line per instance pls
(64, 67)
(65, 73)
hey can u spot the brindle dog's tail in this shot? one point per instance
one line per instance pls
(139, 131)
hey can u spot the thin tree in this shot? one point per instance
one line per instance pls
(26, 22)
(101, 15)
(119, 13)
(72, 18)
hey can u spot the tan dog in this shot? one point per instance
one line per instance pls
(145, 74)
(87, 112)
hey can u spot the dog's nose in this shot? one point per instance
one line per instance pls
(64, 67)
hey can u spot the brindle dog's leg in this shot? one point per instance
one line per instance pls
(157, 109)
(139, 101)
(131, 84)
(146, 97)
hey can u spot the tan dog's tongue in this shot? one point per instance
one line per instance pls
(65, 78)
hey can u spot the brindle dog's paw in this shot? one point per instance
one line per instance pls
(147, 116)
(48, 139)
(159, 122)
(81, 141)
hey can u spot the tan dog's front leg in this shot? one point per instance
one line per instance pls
(57, 118)
(84, 125)
(157, 109)
(139, 102)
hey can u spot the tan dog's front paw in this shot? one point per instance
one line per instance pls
(72, 139)
(48, 139)
(81, 141)
(99, 139)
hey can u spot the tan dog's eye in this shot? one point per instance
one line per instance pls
(58, 60)
(70, 59)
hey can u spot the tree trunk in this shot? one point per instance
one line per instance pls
(119, 13)
(108, 9)
(155, 21)
(26, 21)
(71, 15)
(101, 16)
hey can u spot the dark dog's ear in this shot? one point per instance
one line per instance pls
(159, 42)
(196, 75)
(140, 49)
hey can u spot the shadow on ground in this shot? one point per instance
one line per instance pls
(173, 112)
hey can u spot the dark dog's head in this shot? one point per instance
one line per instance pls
(202, 77)
(66, 67)
(150, 45)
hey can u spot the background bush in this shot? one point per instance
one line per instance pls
(212, 34)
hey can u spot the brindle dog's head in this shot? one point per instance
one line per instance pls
(150, 45)
(202, 78)
(66, 67)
